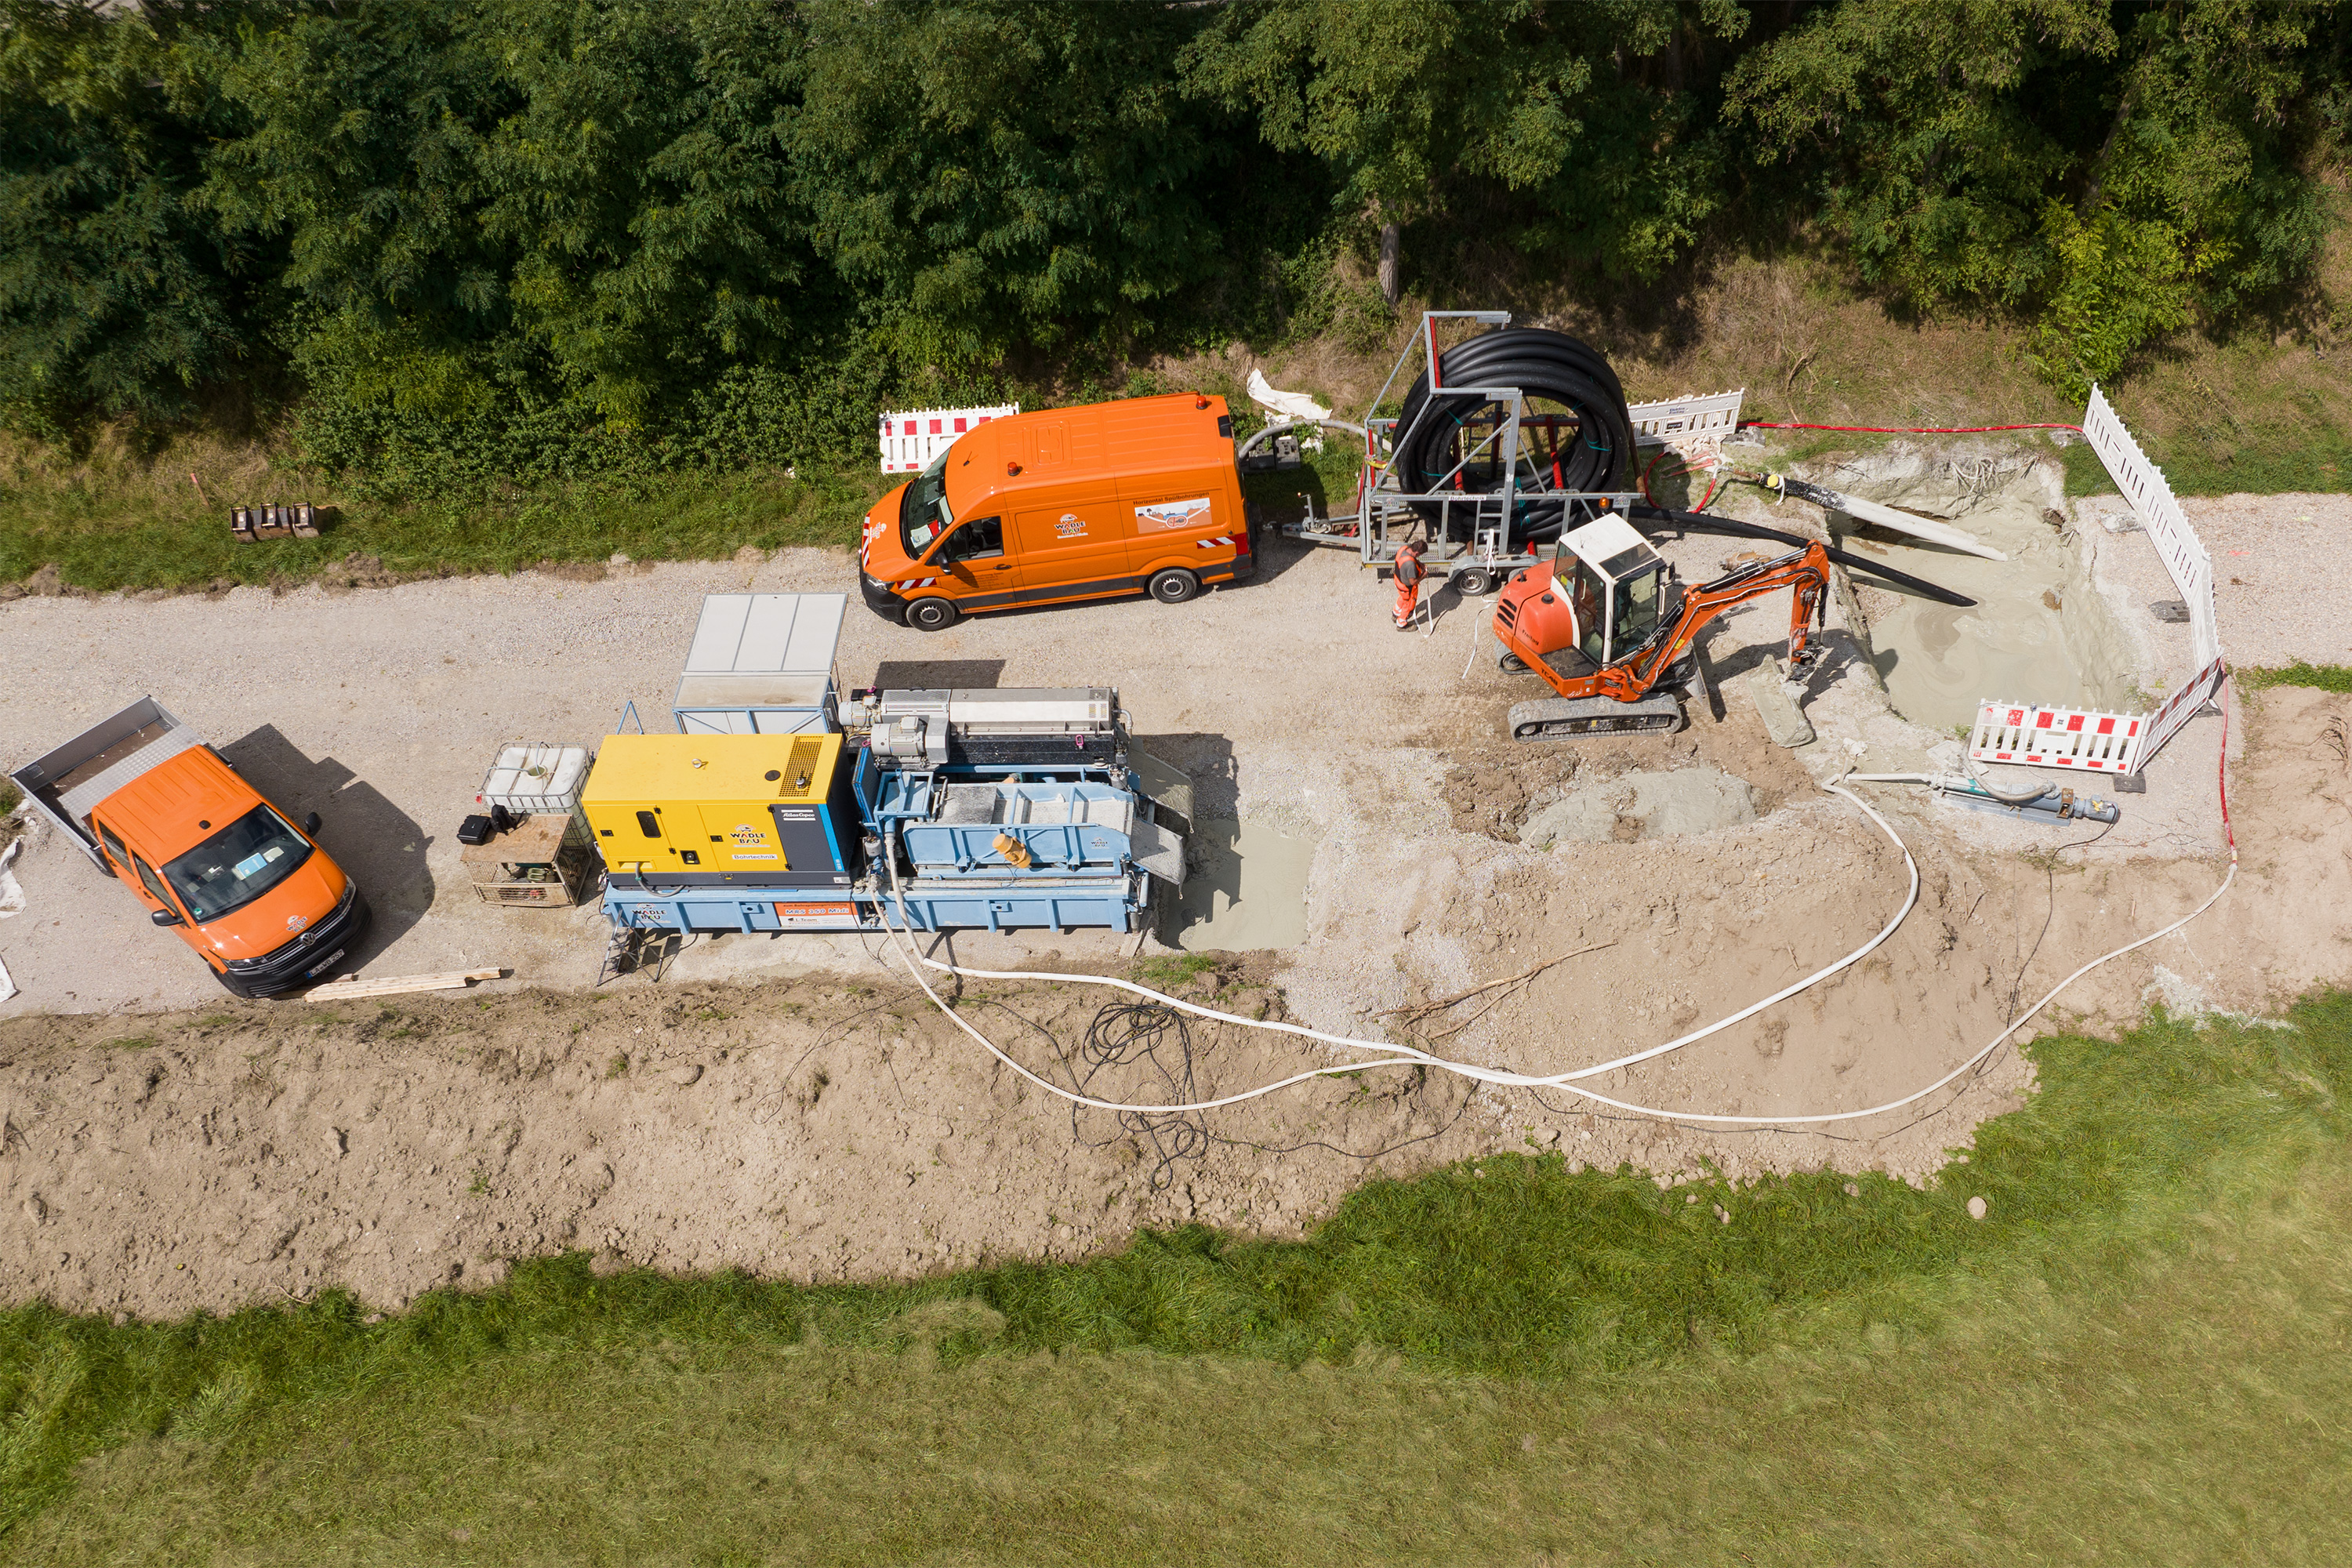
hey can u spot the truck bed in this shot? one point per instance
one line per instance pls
(65, 784)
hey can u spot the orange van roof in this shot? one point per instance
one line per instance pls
(163, 805)
(1092, 443)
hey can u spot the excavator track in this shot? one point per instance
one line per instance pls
(1568, 718)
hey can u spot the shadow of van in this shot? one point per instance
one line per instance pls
(377, 844)
(938, 674)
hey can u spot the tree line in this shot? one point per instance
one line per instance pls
(521, 237)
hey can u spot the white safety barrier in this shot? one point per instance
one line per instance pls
(2143, 484)
(1708, 418)
(2119, 742)
(912, 438)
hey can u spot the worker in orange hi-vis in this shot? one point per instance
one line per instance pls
(1409, 575)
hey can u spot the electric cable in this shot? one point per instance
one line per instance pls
(1393, 1055)
(1398, 1054)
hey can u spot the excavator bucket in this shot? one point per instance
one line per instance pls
(1567, 717)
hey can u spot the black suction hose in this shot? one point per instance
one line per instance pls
(1543, 364)
(1707, 522)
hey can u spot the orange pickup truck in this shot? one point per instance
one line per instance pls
(1141, 496)
(154, 807)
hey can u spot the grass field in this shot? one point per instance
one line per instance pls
(2326, 677)
(2138, 1355)
(116, 519)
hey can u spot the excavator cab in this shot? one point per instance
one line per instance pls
(1619, 587)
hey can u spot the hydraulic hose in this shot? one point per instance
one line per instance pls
(1937, 781)
(1543, 364)
(1709, 522)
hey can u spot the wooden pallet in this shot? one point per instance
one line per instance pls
(247, 523)
(392, 985)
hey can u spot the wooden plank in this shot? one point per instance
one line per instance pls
(394, 986)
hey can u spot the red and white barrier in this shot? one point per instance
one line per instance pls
(2085, 741)
(2056, 737)
(2178, 709)
(912, 438)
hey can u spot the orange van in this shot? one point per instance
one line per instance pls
(266, 907)
(1140, 496)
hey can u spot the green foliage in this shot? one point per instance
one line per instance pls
(2118, 285)
(990, 172)
(1431, 109)
(2105, 170)
(510, 244)
(116, 293)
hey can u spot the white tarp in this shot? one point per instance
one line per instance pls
(1288, 404)
(12, 902)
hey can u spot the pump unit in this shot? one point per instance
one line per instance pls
(948, 808)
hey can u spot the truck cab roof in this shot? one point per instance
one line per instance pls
(181, 801)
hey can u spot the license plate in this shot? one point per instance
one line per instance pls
(324, 964)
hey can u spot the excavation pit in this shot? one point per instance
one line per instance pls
(1640, 806)
(2040, 632)
(1244, 888)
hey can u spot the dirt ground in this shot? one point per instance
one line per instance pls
(794, 1106)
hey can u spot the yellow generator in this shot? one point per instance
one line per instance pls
(764, 811)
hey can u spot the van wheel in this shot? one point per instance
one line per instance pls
(931, 614)
(1174, 585)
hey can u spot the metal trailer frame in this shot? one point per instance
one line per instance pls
(1387, 514)
(69, 807)
(933, 903)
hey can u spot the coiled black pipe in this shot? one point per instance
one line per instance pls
(1543, 364)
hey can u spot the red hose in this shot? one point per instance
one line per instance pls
(2221, 694)
(1905, 430)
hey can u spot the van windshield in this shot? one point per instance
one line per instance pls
(237, 864)
(923, 512)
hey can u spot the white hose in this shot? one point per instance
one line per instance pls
(1393, 1055)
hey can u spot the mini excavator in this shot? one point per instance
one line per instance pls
(1608, 626)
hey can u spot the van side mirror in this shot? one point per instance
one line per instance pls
(310, 825)
(165, 918)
